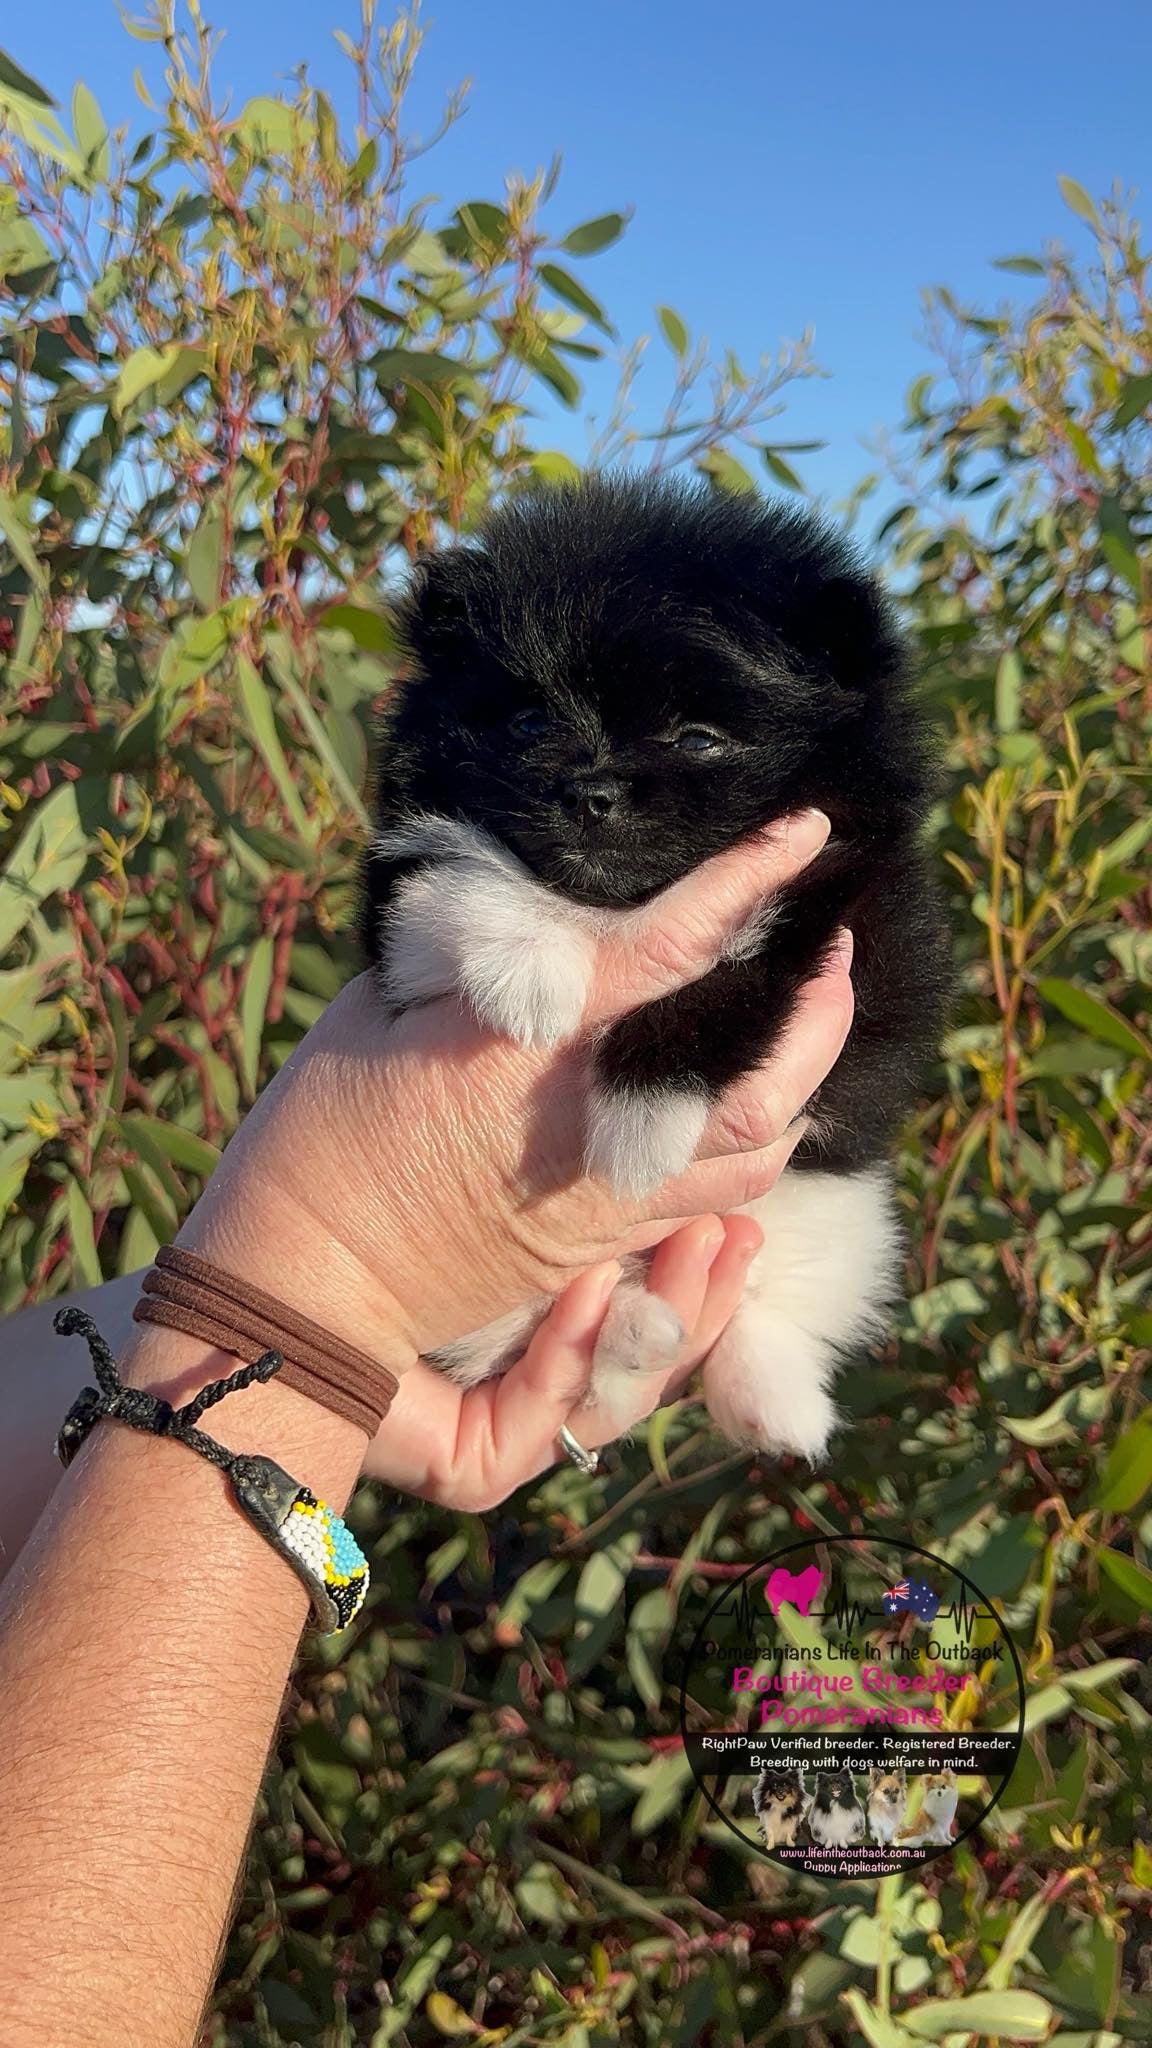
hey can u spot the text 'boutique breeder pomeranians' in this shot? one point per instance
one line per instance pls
(611, 683)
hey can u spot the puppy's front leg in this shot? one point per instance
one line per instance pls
(469, 920)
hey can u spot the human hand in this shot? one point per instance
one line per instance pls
(471, 1449)
(404, 1181)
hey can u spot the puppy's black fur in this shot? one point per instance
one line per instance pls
(620, 679)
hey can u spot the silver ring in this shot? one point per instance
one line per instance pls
(588, 1461)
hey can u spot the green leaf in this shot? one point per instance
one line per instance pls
(253, 1007)
(18, 81)
(1096, 1017)
(1077, 198)
(726, 473)
(1126, 845)
(1023, 266)
(415, 366)
(1009, 684)
(324, 1766)
(555, 467)
(1132, 1578)
(261, 721)
(878, 2030)
(650, 1625)
(370, 630)
(22, 248)
(567, 288)
(202, 557)
(594, 235)
(673, 329)
(1017, 2015)
(1085, 453)
(1127, 1475)
(601, 1584)
(85, 1257)
(18, 534)
(1118, 543)
(665, 1784)
(1135, 400)
(91, 132)
(485, 224)
(163, 370)
(185, 1149)
(781, 471)
(153, 1205)
(338, 775)
(195, 647)
(556, 374)
(268, 127)
(426, 256)
(138, 1244)
(50, 857)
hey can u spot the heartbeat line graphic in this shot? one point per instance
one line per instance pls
(749, 1613)
(848, 1614)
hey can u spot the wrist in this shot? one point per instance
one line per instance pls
(259, 1232)
(321, 1450)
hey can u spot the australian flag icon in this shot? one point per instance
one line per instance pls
(912, 1596)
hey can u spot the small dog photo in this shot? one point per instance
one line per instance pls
(835, 1816)
(887, 1801)
(934, 1823)
(780, 1801)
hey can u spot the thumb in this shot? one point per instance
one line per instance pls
(679, 936)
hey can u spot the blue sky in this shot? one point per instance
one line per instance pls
(789, 166)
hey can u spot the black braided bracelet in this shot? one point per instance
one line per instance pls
(307, 1533)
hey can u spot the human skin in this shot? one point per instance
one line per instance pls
(400, 1183)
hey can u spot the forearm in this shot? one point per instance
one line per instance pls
(146, 1637)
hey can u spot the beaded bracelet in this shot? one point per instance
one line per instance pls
(308, 1534)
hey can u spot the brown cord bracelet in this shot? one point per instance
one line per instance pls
(185, 1292)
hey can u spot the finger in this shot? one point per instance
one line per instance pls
(743, 1238)
(469, 1450)
(761, 1107)
(683, 932)
(758, 1124)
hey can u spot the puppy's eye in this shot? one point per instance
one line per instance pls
(529, 724)
(699, 740)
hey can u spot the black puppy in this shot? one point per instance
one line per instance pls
(835, 1815)
(615, 681)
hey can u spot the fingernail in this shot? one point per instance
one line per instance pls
(602, 1282)
(845, 946)
(806, 833)
(711, 1243)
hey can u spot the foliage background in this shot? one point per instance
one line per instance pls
(244, 375)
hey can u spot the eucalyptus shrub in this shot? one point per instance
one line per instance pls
(245, 375)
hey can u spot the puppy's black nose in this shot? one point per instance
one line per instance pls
(590, 796)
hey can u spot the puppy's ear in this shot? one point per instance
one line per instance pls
(442, 606)
(846, 629)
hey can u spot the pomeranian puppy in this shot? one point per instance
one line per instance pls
(779, 1801)
(887, 1799)
(933, 1823)
(613, 682)
(835, 1815)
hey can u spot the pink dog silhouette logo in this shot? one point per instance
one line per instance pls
(793, 1589)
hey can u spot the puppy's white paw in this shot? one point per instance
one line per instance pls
(639, 1137)
(640, 1334)
(531, 986)
(765, 1383)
